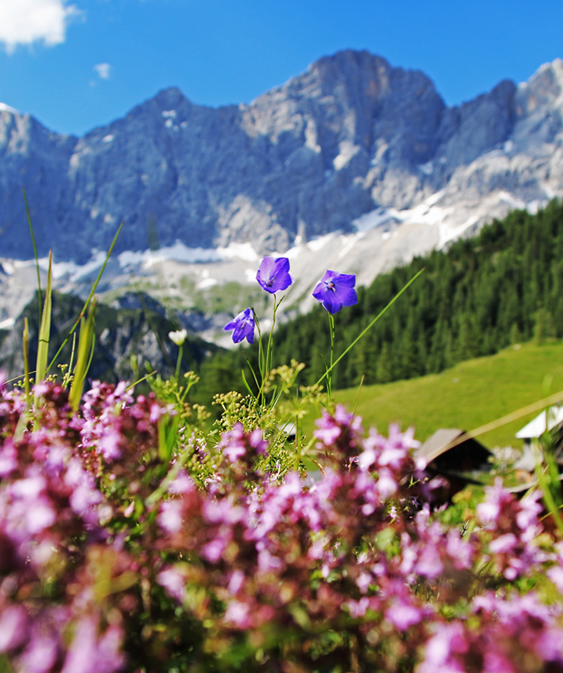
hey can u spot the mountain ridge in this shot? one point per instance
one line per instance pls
(305, 158)
(353, 165)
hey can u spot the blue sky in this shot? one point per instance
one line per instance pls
(77, 64)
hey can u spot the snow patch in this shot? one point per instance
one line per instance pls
(347, 151)
(7, 268)
(74, 272)
(243, 251)
(108, 138)
(549, 193)
(206, 282)
(179, 253)
(426, 212)
(8, 323)
(319, 243)
(373, 219)
(427, 168)
(512, 201)
(8, 108)
(533, 206)
(448, 234)
(182, 254)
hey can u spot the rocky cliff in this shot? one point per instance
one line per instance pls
(353, 165)
(349, 135)
(136, 325)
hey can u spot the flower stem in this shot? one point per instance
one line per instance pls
(270, 352)
(261, 362)
(265, 360)
(372, 323)
(329, 370)
(179, 362)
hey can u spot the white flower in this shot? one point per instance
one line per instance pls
(178, 337)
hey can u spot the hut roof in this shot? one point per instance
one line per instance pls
(436, 445)
(539, 424)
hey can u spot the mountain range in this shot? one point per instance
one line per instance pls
(353, 163)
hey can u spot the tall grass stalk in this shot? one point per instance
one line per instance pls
(86, 342)
(44, 330)
(26, 363)
(27, 212)
(371, 324)
(89, 299)
(547, 476)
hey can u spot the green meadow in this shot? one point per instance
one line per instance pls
(468, 395)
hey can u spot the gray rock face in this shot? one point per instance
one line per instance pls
(140, 330)
(347, 136)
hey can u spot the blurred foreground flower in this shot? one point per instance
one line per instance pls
(273, 274)
(336, 290)
(178, 337)
(242, 326)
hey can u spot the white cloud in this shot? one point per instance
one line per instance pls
(27, 21)
(103, 70)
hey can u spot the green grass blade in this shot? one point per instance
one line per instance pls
(136, 383)
(92, 349)
(83, 358)
(276, 397)
(546, 485)
(71, 361)
(26, 362)
(372, 323)
(358, 394)
(44, 330)
(34, 250)
(87, 302)
(246, 384)
(167, 436)
(252, 370)
(552, 475)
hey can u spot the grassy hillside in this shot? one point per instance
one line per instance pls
(466, 396)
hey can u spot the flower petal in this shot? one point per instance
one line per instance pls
(336, 290)
(242, 326)
(332, 303)
(347, 295)
(273, 274)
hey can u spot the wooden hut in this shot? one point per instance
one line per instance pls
(460, 463)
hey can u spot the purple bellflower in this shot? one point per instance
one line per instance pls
(273, 274)
(335, 291)
(243, 326)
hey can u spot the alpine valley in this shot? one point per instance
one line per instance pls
(354, 165)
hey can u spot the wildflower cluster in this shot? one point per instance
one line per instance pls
(116, 555)
(334, 291)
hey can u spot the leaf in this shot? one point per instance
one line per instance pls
(44, 330)
(246, 384)
(86, 342)
(88, 300)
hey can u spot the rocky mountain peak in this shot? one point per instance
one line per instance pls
(543, 90)
(349, 135)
